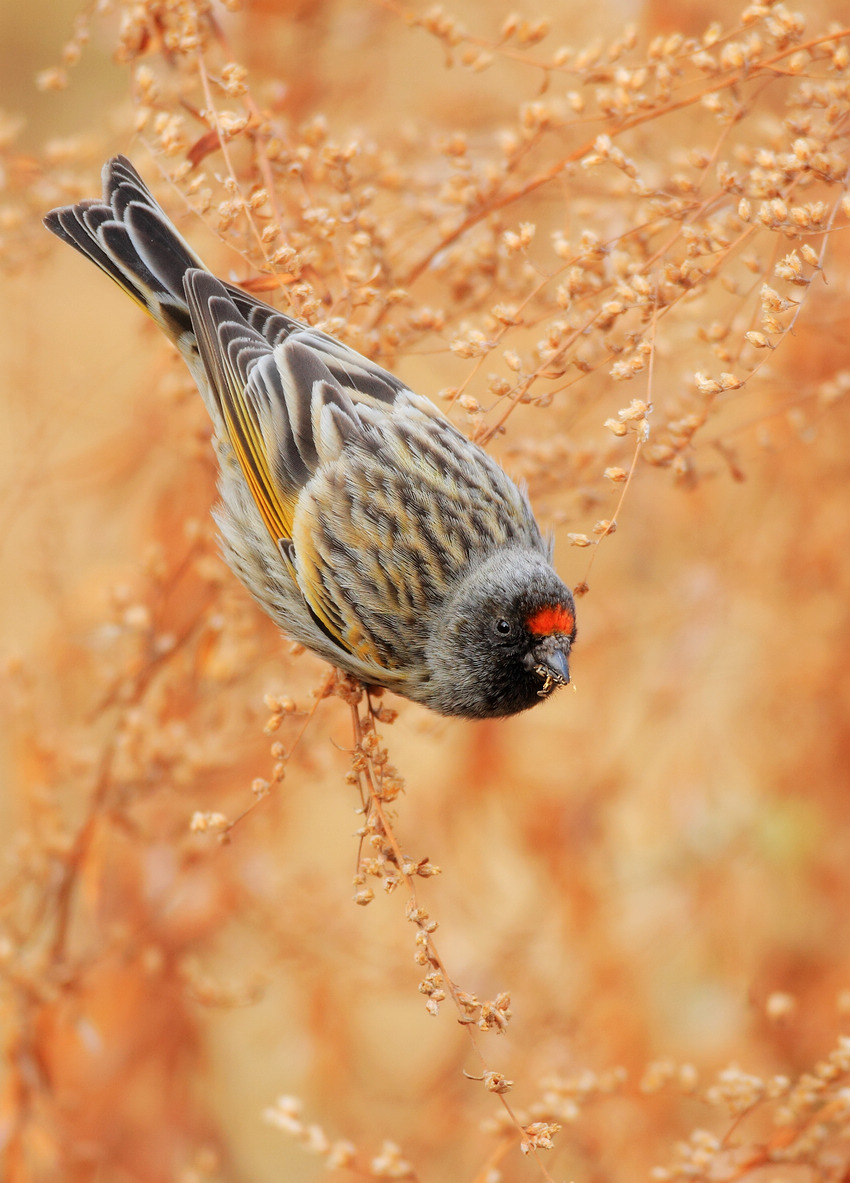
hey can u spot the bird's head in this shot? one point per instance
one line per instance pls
(502, 642)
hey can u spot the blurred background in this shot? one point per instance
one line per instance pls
(654, 863)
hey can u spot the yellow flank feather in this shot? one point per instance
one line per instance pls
(251, 453)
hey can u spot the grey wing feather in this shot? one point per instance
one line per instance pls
(309, 396)
(350, 370)
(129, 237)
(284, 411)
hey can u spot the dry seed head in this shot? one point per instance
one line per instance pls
(233, 79)
(285, 1114)
(706, 385)
(810, 255)
(791, 269)
(415, 914)
(688, 1078)
(780, 1006)
(495, 1015)
(496, 1082)
(315, 1140)
(204, 823)
(506, 314)
(539, 1136)
(828, 1071)
(634, 412)
(616, 427)
(810, 216)
(455, 145)
(736, 1090)
(390, 1164)
(519, 241)
(146, 84)
(656, 1075)
(772, 301)
(536, 117)
(705, 61)
(477, 60)
(52, 78)
(512, 360)
(840, 1056)
(532, 32)
(624, 371)
(433, 985)
(342, 1156)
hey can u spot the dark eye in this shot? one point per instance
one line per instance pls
(503, 628)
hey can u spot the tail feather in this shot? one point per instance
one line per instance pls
(77, 225)
(128, 237)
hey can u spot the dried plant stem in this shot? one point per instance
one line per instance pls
(319, 695)
(374, 805)
(640, 439)
(257, 118)
(222, 140)
(75, 859)
(499, 200)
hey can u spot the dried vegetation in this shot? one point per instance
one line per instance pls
(645, 885)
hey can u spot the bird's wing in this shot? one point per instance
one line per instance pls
(291, 400)
(364, 381)
(291, 397)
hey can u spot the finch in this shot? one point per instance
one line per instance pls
(366, 524)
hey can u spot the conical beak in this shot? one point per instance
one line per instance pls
(551, 665)
(556, 667)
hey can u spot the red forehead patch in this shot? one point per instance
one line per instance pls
(553, 619)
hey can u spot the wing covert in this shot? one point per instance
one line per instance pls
(241, 371)
(285, 416)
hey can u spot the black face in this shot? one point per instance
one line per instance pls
(502, 644)
(518, 664)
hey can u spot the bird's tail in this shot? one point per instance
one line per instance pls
(129, 236)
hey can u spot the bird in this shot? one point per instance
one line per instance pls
(365, 523)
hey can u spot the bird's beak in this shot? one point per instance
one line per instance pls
(551, 665)
(556, 667)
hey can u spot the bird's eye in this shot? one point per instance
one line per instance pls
(503, 628)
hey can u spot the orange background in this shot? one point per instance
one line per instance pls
(644, 863)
